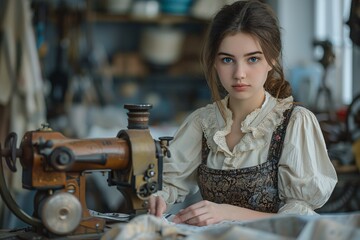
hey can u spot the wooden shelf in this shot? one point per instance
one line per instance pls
(161, 19)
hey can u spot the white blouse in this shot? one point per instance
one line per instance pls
(306, 175)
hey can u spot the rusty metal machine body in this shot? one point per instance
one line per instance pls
(56, 166)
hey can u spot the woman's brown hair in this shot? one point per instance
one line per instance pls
(251, 17)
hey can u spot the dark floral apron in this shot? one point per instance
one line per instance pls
(252, 187)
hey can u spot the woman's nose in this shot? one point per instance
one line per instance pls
(239, 71)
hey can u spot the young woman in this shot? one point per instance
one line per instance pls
(253, 152)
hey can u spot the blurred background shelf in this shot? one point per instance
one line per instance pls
(93, 16)
(108, 53)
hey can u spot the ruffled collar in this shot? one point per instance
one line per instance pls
(256, 126)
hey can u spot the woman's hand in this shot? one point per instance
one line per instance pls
(206, 213)
(157, 206)
(202, 213)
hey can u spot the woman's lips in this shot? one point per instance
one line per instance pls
(240, 87)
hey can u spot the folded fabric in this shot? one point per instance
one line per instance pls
(344, 226)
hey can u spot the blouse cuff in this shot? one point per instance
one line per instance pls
(297, 207)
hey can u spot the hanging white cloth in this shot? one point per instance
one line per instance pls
(20, 76)
(24, 87)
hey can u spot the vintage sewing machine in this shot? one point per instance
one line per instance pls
(56, 166)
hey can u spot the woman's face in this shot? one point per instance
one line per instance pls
(242, 67)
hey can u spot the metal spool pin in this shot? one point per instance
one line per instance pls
(138, 115)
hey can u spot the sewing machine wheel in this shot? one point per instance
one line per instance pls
(10, 144)
(353, 120)
(61, 213)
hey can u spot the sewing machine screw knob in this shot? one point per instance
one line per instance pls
(45, 127)
(143, 191)
(45, 144)
(164, 143)
(61, 158)
(153, 188)
(150, 173)
(165, 140)
(71, 188)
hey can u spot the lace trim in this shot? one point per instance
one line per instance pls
(214, 127)
(259, 124)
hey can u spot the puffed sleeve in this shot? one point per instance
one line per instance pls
(306, 175)
(179, 178)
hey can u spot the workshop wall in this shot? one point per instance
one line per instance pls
(99, 54)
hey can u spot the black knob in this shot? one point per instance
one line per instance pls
(164, 143)
(165, 140)
(61, 158)
(45, 144)
(10, 148)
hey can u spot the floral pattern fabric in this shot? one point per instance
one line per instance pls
(252, 187)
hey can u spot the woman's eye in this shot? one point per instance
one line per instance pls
(227, 60)
(253, 59)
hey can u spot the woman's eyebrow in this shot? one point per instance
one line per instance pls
(247, 54)
(253, 53)
(226, 54)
